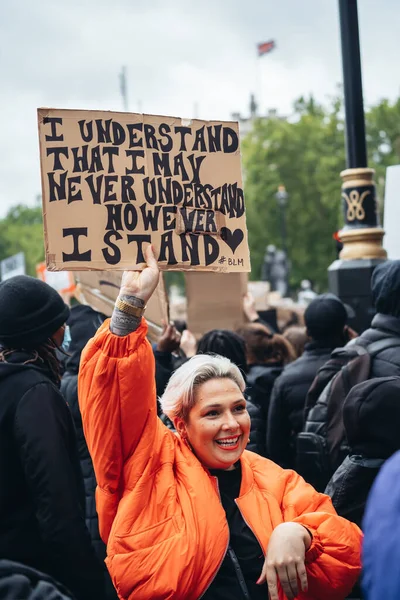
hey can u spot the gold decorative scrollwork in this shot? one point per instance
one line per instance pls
(355, 209)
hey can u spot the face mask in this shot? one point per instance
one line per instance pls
(67, 339)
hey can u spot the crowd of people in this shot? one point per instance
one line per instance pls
(242, 464)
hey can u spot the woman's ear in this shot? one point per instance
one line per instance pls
(180, 427)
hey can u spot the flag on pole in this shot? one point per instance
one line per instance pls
(265, 47)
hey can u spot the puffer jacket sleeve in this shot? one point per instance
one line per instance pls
(117, 398)
(333, 560)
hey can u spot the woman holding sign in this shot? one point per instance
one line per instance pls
(193, 514)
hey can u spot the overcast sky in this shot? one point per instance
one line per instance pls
(184, 58)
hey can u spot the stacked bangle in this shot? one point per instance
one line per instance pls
(129, 309)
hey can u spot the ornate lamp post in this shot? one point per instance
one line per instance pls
(350, 276)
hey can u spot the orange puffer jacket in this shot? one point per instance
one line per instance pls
(159, 509)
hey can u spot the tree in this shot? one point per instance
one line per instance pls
(306, 154)
(383, 138)
(22, 231)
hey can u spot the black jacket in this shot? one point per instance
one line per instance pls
(260, 381)
(83, 323)
(19, 582)
(257, 441)
(371, 417)
(41, 488)
(285, 417)
(384, 363)
(387, 362)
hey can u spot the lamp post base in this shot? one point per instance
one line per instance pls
(350, 280)
(362, 243)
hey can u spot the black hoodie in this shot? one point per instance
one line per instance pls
(83, 322)
(371, 416)
(24, 583)
(41, 489)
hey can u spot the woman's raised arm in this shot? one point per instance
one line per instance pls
(116, 389)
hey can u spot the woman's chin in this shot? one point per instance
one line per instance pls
(227, 459)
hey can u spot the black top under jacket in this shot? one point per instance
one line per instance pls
(244, 559)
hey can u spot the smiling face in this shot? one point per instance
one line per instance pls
(218, 426)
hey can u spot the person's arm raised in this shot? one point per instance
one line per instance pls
(117, 395)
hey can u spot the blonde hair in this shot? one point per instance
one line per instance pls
(179, 396)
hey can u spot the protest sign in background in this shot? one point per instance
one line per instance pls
(113, 182)
(99, 289)
(214, 301)
(63, 282)
(13, 265)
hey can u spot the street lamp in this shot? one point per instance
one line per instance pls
(361, 235)
(282, 198)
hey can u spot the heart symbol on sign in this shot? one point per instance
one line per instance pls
(232, 239)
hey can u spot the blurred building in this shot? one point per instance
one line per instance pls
(246, 123)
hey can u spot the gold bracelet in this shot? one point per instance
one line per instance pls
(128, 309)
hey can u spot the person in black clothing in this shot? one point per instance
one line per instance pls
(325, 318)
(324, 425)
(266, 355)
(371, 416)
(166, 354)
(42, 499)
(231, 345)
(83, 323)
(386, 323)
(19, 582)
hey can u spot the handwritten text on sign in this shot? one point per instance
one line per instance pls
(113, 182)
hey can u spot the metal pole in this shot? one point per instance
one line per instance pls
(124, 91)
(356, 149)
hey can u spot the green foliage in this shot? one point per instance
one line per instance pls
(306, 154)
(383, 138)
(22, 231)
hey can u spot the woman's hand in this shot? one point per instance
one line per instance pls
(141, 284)
(285, 559)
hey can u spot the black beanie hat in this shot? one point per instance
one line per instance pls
(385, 286)
(30, 312)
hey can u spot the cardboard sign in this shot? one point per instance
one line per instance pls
(114, 182)
(100, 289)
(260, 291)
(214, 301)
(391, 241)
(13, 265)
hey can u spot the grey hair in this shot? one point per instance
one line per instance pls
(179, 396)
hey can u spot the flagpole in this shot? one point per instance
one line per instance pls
(123, 87)
(259, 84)
(262, 49)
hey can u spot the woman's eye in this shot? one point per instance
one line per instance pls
(240, 408)
(212, 413)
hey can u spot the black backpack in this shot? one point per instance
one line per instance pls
(322, 445)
